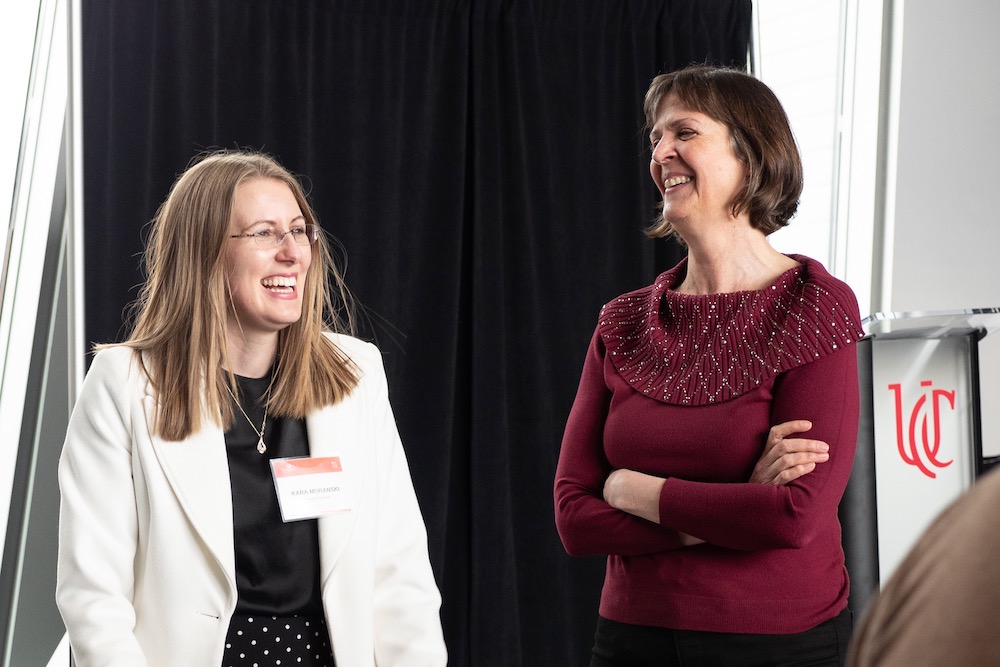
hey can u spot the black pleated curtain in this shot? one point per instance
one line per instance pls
(484, 164)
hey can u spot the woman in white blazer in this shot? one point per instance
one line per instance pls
(181, 541)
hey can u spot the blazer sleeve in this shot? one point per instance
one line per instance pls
(406, 599)
(97, 519)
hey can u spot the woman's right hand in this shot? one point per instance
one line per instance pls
(785, 458)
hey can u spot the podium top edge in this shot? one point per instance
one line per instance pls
(932, 324)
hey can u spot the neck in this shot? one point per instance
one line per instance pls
(252, 356)
(742, 261)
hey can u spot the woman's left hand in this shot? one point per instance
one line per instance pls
(785, 458)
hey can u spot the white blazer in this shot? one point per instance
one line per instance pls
(146, 559)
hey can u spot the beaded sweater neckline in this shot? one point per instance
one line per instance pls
(687, 349)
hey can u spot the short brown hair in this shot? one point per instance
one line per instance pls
(180, 314)
(758, 128)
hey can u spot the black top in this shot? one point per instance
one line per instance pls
(277, 564)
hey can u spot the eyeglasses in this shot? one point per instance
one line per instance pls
(270, 238)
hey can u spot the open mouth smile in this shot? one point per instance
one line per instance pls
(280, 284)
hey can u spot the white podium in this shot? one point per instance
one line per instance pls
(920, 437)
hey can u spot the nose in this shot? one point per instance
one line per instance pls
(288, 249)
(662, 152)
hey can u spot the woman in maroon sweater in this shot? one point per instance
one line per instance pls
(714, 428)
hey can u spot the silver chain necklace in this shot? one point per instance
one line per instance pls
(261, 447)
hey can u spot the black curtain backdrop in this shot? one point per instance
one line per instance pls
(484, 164)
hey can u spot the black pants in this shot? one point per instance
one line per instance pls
(625, 645)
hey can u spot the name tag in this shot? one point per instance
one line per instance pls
(310, 487)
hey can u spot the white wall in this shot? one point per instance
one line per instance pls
(822, 59)
(946, 236)
(17, 34)
(797, 56)
(944, 229)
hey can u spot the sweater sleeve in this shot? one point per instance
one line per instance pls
(587, 525)
(761, 516)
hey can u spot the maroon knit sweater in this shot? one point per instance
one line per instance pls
(686, 387)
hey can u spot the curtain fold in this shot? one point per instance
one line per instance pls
(484, 164)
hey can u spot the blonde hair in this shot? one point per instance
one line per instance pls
(180, 314)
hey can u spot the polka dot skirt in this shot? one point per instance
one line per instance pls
(277, 641)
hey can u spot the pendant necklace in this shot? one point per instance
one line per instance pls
(261, 447)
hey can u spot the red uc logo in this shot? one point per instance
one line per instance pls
(923, 453)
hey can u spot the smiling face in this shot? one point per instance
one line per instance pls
(264, 284)
(694, 167)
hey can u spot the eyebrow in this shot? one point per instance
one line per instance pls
(682, 120)
(268, 221)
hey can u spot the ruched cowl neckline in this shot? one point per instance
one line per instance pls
(685, 349)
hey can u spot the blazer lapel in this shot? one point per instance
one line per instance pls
(338, 430)
(198, 472)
